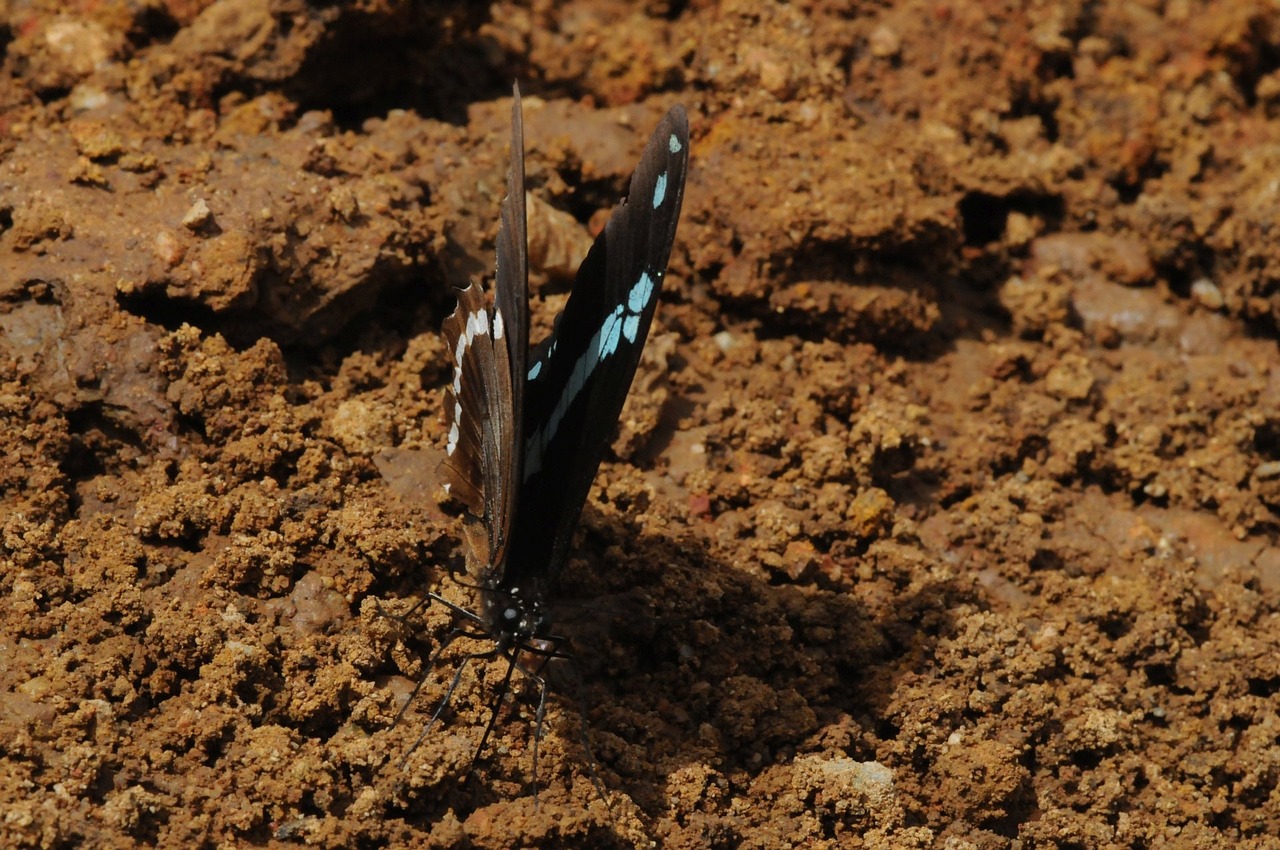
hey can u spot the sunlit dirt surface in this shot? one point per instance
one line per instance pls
(943, 512)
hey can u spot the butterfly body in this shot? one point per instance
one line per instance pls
(527, 431)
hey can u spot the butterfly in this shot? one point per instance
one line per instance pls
(527, 430)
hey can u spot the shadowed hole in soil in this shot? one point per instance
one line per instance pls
(170, 313)
(1266, 439)
(985, 216)
(1265, 688)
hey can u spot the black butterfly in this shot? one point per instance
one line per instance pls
(527, 431)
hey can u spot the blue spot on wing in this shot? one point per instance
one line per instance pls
(640, 294)
(631, 327)
(609, 333)
(660, 190)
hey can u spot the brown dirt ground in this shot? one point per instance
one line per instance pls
(944, 512)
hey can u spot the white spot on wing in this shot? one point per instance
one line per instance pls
(498, 326)
(673, 144)
(477, 325)
(453, 439)
(535, 371)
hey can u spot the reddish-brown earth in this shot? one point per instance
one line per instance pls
(944, 512)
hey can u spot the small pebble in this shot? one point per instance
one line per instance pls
(198, 216)
(1207, 294)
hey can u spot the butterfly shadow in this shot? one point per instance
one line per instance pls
(675, 664)
(719, 669)
(469, 732)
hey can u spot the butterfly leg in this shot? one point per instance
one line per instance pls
(584, 729)
(448, 695)
(456, 610)
(497, 704)
(548, 648)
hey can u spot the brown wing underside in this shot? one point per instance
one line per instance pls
(480, 420)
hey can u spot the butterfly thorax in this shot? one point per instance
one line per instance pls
(516, 617)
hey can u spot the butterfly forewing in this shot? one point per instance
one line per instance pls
(579, 378)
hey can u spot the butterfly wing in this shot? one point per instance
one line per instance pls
(486, 398)
(580, 376)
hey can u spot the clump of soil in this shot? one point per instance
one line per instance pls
(943, 512)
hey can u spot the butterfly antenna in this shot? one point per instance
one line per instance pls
(540, 716)
(541, 713)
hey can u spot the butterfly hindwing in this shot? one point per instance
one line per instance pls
(579, 378)
(478, 415)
